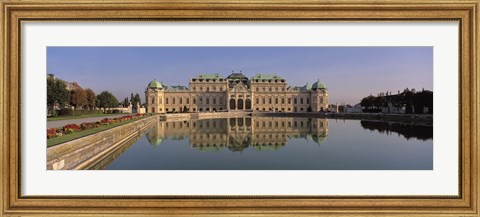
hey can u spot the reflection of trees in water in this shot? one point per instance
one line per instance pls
(407, 131)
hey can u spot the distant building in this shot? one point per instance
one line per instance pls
(355, 109)
(333, 108)
(213, 92)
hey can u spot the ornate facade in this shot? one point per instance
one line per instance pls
(213, 92)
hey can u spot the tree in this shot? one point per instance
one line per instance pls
(78, 98)
(408, 101)
(91, 98)
(421, 100)
(126, 102)
(368, 102)
(57, 93)
(106, 100)
(137, 99)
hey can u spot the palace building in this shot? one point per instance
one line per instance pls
(213, 92)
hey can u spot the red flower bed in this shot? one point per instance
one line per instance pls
(90, 125)
(51, 133)
(106, 121)
(70, 128)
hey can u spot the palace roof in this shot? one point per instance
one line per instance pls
(318, 85)
(155, 84)
(266, 77)
(176, 88)
(237, 77)
(209, 76)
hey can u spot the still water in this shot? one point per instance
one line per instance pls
(266, 143)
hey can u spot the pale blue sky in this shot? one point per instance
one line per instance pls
(350, 73)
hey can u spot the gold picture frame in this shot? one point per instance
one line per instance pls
(15, 12)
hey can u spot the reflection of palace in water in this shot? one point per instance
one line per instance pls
(237, 134)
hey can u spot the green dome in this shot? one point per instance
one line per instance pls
(153, 139)
(308, 86)
(155, 84)
(318, 85)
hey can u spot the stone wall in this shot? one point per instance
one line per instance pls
(80, 153)
(205, 115)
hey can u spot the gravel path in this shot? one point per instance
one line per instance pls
(61, 123)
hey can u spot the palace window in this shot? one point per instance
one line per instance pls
(263, 89)
(214, 100)
(201, 88)
(194, 88)
(257, 100)
(283, 101)
(208, 89)
(256, 89)
(295, 101)
(173, 101)
(208, 100)
(270, 100)
(188, 100)
(263, 100)
(301, 100)
(276, 88)
(276, 100)
(214, 88)
(181, 100)
(289, 100)
(321, 100)
(308, 101)
(221, 100)
(270, 89)
(201, 100)
(153, 100)
(160, 100)
(166, 101)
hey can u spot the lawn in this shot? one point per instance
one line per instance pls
(68, 137)
(58, 118)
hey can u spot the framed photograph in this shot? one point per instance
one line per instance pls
(228, 108)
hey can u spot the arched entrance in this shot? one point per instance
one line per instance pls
(232, 104)
(248, 104)
(240, 104)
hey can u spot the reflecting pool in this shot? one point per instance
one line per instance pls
(276, 143)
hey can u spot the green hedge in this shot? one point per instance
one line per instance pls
(69, 112)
